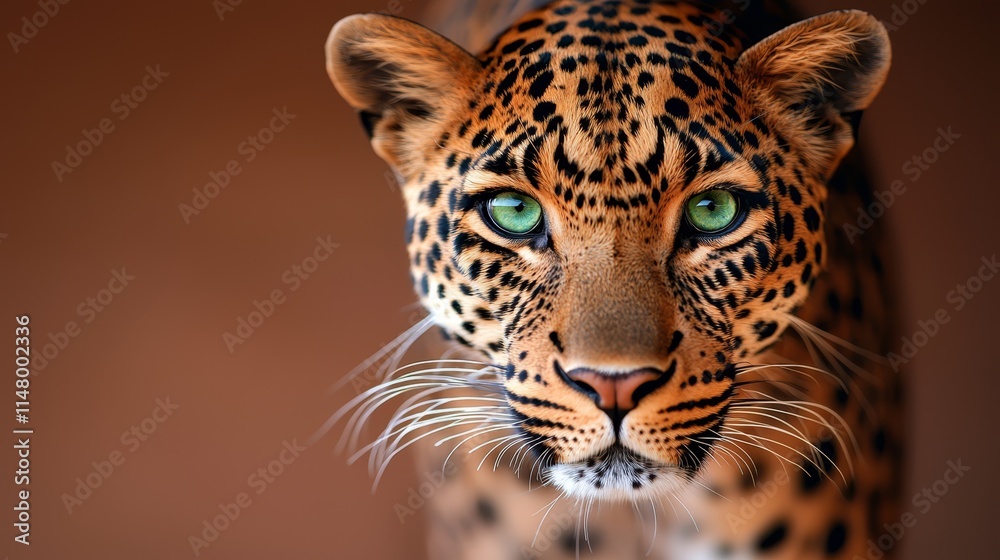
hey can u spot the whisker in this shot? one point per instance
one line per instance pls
(652, 541)
(419, 327)
(547, 510)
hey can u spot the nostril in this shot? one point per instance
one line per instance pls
(587, 389)
(579, 385)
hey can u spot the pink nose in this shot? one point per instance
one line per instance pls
(619, 391)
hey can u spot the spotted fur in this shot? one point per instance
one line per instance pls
(612, 114)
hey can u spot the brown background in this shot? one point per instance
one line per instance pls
(162, 336)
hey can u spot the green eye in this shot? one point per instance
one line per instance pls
(515, 213)
(712, 211)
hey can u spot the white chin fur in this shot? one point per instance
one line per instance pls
(617, 477)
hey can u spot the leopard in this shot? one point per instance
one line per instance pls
(627, 218)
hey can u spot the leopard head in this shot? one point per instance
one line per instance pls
(617, 203)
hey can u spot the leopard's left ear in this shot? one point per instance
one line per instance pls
(402, 78)
(822, 72)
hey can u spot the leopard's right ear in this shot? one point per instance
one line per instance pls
(402, 78)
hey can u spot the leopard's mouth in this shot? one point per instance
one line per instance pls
(617, 473)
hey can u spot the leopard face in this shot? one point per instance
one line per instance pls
(619, 205)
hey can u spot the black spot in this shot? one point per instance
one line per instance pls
(507, 82)
(432, 192)
(879, 441)
(677, 107)
(554, 337)
(685, 83)
(800, 251)
(812, 218)
(836, 539)
(512, 46)
(789, 289)
(679, 50)
(443, 226)
(828, 455)
(773, 537)
(655, 59)
(684, 37)
(765, 329)
(531, 47)
(530, 24)
(811, 477)
(654, 31)
(556, 27)
(675, 341)
(493, 270)
(486, 511)
(540, 84)
(763, 255)
(795, 194)
(788, 227)
(544, 110)
(806, 273)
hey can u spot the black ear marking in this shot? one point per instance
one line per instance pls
(368, 121)
(854, 119)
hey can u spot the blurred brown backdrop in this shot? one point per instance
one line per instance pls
(218, 82)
